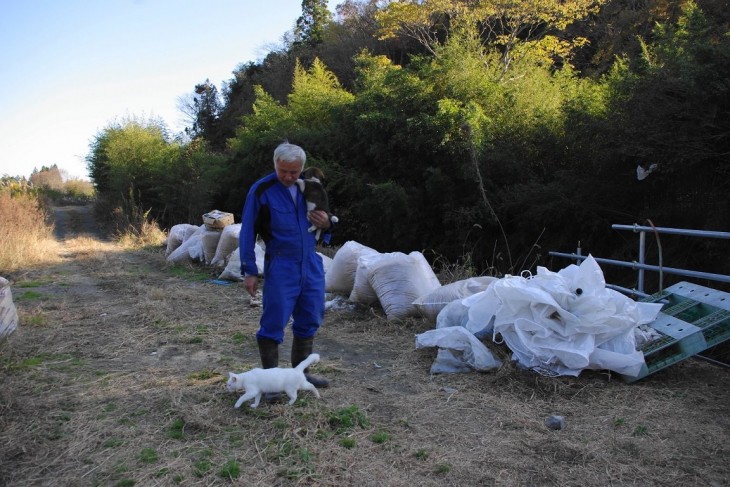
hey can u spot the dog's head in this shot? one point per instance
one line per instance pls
(313, 172)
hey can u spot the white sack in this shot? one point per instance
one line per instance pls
(190, 249)
(227, 244)
(459, 350)
(341, 277)
(209, 241)
(232, 272)
(564, 322)
(177, 235)
(8, 313)
(431, 304)
(399, 279)
(362, 291)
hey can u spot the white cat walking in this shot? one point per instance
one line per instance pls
(257, 382)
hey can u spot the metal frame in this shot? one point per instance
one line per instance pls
(641, 267)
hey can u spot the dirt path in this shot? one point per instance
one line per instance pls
(70, 221)
(116, 377)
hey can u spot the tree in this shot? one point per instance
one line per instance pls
(314, 20)
(315, 98)
(527, 28)
(47, 177)
(203, 109)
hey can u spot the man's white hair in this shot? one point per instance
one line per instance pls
(287, 152)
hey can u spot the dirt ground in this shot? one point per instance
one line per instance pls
(116, 376)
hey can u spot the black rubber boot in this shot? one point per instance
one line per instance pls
(301, 348)
(269, 353)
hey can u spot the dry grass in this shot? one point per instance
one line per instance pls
(26, 238)
(116, 377)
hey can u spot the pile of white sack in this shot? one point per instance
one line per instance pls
(188, 243)
(557, 322)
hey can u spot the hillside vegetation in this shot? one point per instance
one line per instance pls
(484, 132)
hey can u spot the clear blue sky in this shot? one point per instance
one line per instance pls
(70, 67)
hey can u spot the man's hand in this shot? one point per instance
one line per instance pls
(251, 283)
(319, 219)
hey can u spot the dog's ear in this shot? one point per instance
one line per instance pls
(313, 172)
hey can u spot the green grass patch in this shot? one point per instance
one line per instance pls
(240, 338)
(189, 273)
(202, 467)
(32, 284)
(345, 419)
(149, 455)
(380, 437)
(112, 443)
(58, 361)
(443, 468)
(231, 470)
(347, 442)
(421, 454)
(29, 296)
(38, 319)
(176, 430)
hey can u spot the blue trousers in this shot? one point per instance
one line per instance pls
(292, 288)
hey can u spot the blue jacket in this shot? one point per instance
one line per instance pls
(270, 212)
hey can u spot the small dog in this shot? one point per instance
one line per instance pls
(257, 382)
(310, 184)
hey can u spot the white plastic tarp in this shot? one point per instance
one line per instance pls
(459, 350)
(563, 322)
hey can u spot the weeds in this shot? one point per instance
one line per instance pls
(24, 234)
(380, 437)
(345, 419)
(176, 431)
(231, 470)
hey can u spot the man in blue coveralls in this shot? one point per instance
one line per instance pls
(293, 272)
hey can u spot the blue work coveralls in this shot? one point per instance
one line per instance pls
(293, 272)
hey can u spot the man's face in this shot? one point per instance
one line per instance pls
(288, 172)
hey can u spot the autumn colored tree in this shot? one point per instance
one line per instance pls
(533, 28)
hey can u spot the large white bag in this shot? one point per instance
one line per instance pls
(362, 291)
(341, 275)
(232, 272)
(177, 235)
(8, 312)
(209, 240)
(227, 244)
(399, 279)
(191, 249)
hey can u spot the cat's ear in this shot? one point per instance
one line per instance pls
(230, 374)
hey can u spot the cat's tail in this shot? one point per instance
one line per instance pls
(312, 359)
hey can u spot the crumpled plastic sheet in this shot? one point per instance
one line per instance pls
(459, 350)
(563, 322)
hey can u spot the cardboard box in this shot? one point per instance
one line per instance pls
(217, 220)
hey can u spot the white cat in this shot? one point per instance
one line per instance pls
(260, 381)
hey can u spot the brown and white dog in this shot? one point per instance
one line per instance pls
(310, 184)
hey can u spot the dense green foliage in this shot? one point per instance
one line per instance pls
(508, 131)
